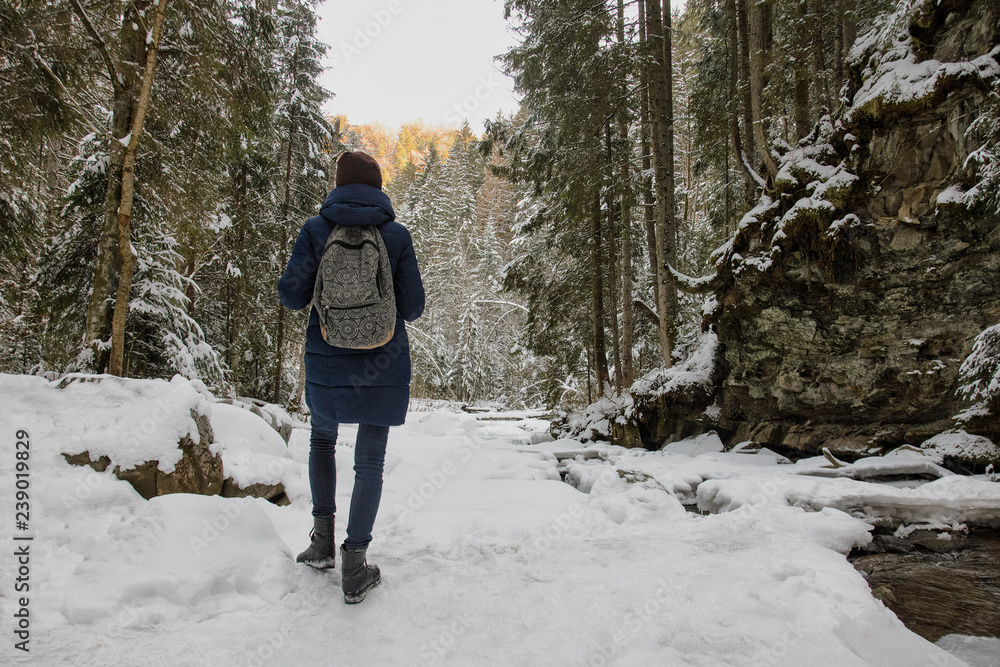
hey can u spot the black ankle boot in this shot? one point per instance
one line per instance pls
(358, 576)
(322, 551)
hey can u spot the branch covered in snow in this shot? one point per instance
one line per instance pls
(646, 310)
(702, 285)
(696, 370)
(980, 372)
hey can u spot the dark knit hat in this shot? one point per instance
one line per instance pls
(358, 167)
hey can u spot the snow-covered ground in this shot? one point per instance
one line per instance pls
(488, 557)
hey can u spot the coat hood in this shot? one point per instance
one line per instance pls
(357, 204)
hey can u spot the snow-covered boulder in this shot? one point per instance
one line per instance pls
(274, 415)
(255, 457)
(162, 437)
(668, 405)
(963, 448)
(592, 424)
(155, 435)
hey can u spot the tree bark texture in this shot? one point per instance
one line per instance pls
(300, 387)
(749, 182)
(760, 38)
(613, 259)
(743, 23)
(838, 53)
(285, 212)
(801, 91)
(819, 55)
(628, 318)
(661, 111)
(648, 202)
(597, 287)
(846, 34)
(125, 86)
(127, 257)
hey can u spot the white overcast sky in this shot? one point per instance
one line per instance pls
(428, 59)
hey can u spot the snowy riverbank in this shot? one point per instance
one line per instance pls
(488, 558)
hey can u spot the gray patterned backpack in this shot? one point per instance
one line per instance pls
(353, 296)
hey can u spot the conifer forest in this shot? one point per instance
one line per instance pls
(708, 371)
(159, 156)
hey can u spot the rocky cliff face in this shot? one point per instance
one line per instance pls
(859, 286)
(854, 291)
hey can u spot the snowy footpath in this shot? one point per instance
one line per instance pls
(494, 551)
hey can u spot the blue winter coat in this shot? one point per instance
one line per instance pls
(356, 386)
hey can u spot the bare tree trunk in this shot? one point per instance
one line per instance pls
(56, 184)
(735, 63)
(661, 109)
(612, 263)
(232, 318)
(803, 122)
(127, 266)
(847, 29)
(744, 56)
(597, 286)
(689, 187)
(234, 285)
(628, 318)
(125, 89)
(759, 40)
(285, 209)
(300, 388)
(279, 366)
(590, 373)
(648, 203)
(668, 235)
(614, 299)
(819, 55)
(190, 268)
(850, 25)
(838, 54)
(729, 210)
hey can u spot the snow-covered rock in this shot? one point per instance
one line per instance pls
(162, 437)
(471, 518)
(274, 415)
(964, 447)
(860, 282)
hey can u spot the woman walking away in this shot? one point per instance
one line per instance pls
(356, 266)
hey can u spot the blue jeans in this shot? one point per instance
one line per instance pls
(369, 462)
